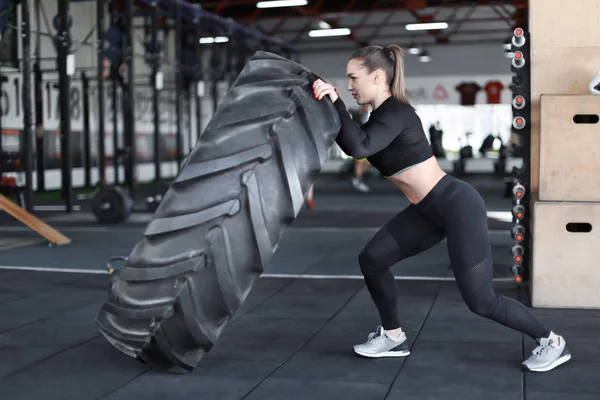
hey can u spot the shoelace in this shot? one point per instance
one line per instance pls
(542, 349)
(375, 335)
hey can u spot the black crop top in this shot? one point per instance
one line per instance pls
(392, 140)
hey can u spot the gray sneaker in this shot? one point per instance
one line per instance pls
(360, 185)
(380, 344)
(547, 355)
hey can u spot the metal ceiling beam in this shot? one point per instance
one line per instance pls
(223, 5)
(277, 28)
(521, 17)
(252, 17)
(306, 27)
(460, 22)
(242, 8)
(506, 18)
(365, 17)
(347, 46)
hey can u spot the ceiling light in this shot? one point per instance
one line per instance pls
(329, 32)
(427, 26)
(413, 49)
(281, 3)
(424, 57)
(324, 25)
(211, 40)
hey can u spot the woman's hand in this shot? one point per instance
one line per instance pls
(322, 89)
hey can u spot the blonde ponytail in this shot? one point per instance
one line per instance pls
(397, 85)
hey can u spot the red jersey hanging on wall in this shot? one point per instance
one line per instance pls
(493, 90)
(468, 91)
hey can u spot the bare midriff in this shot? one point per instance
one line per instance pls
(417, 181)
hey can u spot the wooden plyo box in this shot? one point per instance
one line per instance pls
(566, 268)
(564, 23)
(569, 148)
(565, 56)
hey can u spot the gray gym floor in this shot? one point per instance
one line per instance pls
(293, 336)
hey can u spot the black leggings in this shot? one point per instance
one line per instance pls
(453, 210)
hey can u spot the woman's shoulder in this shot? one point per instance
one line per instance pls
(403, 104)
(397, 107)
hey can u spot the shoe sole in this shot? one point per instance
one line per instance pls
(555, 364)
(384, 354)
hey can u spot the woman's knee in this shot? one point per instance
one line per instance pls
(483, 304)
(370, 263)
(366, 261)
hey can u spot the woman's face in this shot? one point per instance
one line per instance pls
(361, 84)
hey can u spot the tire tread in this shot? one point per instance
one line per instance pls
(220, 223)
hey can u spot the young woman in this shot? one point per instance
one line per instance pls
(441, 207)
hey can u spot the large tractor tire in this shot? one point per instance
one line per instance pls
(222, 218)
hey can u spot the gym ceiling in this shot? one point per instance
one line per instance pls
(379, 21)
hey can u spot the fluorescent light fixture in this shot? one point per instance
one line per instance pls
(211, 40)
(281, 3)
(427, 26)
(329, 32)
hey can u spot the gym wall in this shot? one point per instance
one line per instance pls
(446, 60)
